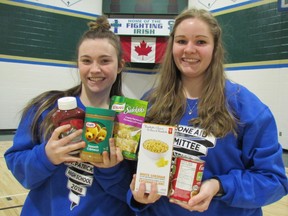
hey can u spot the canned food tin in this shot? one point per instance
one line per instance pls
(186, 178)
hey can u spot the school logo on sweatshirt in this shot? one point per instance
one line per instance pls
(192, 142)
(80, 176)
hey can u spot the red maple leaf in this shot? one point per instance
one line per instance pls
(143, 49)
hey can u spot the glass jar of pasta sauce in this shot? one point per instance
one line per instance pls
(98, 128)
(69, 113)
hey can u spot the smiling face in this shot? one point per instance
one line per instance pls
(98, 66)
(192, 47)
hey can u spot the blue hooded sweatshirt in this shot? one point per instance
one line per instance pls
(249, 167)
(66, 189)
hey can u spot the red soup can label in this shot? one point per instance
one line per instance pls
(186, 178)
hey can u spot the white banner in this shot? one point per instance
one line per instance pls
(87, 7)
(155, 27)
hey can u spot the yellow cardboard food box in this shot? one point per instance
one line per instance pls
(154, 157)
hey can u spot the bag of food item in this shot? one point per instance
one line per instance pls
(130, 114)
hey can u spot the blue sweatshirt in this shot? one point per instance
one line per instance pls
(66, 189)
(250, 167)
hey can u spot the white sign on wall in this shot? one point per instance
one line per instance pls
(220, 5)
(155, 27)
(86, 7)
(283, 5)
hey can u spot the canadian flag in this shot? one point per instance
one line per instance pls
(143, 49)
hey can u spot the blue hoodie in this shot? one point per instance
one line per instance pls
(66, 189)
(250, 166)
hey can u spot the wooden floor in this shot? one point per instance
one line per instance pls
(12, 194)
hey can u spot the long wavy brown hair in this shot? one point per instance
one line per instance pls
(43, 102)
(168, 100)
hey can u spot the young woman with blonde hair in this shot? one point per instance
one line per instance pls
(244, 170)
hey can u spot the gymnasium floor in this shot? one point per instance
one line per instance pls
(12, 194)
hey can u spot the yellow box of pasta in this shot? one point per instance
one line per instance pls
(154, 157)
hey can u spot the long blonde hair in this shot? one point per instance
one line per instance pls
(47, 100)
(168, 100)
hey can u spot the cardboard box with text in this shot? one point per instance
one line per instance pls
(154, 157)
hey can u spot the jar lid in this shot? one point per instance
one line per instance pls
(100, 111)
(67, 103)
